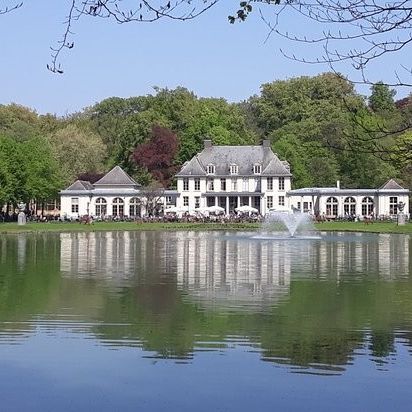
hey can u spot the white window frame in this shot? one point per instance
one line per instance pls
(186, 184)
(281, 200)
(197, 184)
(223, 185)
(393, 205)
(281, 183)
(257, 169)
(101, 206)
(234, 185)
(210, 169)
(234, 170)
(269, 183)
(75, 204)
(367, 206)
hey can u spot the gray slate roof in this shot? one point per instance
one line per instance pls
(80, 185)
(392, 185)
(116, 177)
(245, 157)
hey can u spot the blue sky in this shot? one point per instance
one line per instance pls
(207, 55)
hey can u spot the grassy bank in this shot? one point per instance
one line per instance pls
(106, 226)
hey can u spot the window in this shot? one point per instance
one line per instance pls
(233, 169)
(281, 200)
(134, 207)
(256, 202)
(169, 200)
(281, 183)
(257, 169)
(185, 184)
(234, 185)
(299, 205)
(257, 184)
(52, 205)
(393, 205)
(331, 206)
(306, 207)
(211, 184)
(349, 206)
(367, 206)
(197, 202)
(210, 169)
(246, 185)
(197, 184)
(270, 183)
(75, 205)
(223, 185)
(185, 200)
(118, 207)
(210, 201)
(101, 206)
(270, 202)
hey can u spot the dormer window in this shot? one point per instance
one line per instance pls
(210, 169)
(233, 169)
(257, 169)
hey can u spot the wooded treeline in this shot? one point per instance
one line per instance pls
(321, 125)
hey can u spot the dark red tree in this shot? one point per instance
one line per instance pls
(157, 155)
(91, 177)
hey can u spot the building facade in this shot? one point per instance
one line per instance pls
(234, 176)
(228, 177)
(333, 202)
(115, 195)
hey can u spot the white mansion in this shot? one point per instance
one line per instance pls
(229, 177)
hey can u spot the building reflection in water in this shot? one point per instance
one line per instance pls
(230, 269)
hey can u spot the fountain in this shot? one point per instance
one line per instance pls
(288, 225)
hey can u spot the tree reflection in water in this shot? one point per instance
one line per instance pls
(313, 305)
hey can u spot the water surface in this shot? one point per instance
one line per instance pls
(205, 321)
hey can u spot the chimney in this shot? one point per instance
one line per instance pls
(207, 143)
(266, 143)
(338, 184)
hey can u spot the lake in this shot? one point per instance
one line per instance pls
(205, 321)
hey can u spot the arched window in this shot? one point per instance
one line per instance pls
(349, 206)
(118, 207)
(332, 206)
(135, 208)
(101, 206)
(367, 206)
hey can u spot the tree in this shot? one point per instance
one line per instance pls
(28, 171)
(152, 196)
(77, 151)
(325, 130)
(381, 99)
(157, 156)
(43, 177)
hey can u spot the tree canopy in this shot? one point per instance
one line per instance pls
(310, 121)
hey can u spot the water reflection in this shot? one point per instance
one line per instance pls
(316, 306)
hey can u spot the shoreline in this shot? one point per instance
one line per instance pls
(11, 228)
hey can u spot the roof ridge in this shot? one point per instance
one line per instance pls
(391, 184)
(116, 176)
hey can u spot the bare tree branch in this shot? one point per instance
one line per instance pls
(8, 9)
(125, 11)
